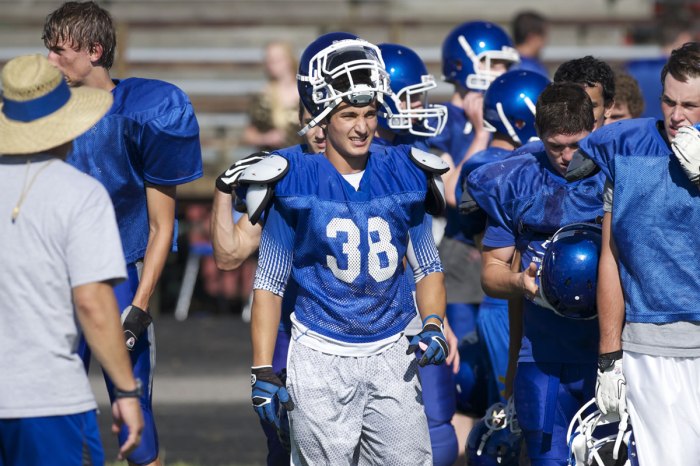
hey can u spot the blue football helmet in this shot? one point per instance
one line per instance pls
(495, 440)
(469, 50)
(509, 104)
(340, 58)
(568, 274)
(471, 381)
(600, 440)
(410, 83)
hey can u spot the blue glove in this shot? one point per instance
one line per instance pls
(436, 346)
(268, 393)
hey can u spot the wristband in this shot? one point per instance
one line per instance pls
(135, 393)
(606, 360)
(433, 316)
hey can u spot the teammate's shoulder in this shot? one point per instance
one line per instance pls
(624, 137)
(506, 173)
(148, 98)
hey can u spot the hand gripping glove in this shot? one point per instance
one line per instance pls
(686, 148)
(229, 178)
(432, 342)
(268, 394)
(611, 386)
(135, 321)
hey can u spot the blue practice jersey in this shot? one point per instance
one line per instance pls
(344, 248)
(647, 72)
(527, 201)
(655, 221)
(149, 136)
(475, 223)
(457, 136)
(418, 142)
(530, 64)
(529, 148)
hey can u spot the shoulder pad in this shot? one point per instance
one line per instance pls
(428, 162)
(268, 170)
(260, 179)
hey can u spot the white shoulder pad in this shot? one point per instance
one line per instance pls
(261, 178)
(428, 162)
(268, 170)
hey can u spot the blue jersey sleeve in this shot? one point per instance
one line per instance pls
(275, 258)
(427, 259)
(170, 147)
(497, 236)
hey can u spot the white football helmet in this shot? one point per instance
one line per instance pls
(608, 446)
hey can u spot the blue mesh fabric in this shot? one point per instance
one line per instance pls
(526, 202)
(150, 135)
(345, 247)
(655, 222)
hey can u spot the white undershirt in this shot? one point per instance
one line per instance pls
(354, 179)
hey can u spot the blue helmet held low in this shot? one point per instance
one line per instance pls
(495, 440)
(568, 275)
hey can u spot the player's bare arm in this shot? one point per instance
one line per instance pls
(499, 281)
(233, 242)
(515, 334)
(96, 308)
(610, 301)
(161, 221)
(430, 297)
(265, 320)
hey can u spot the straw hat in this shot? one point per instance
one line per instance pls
(39, 110)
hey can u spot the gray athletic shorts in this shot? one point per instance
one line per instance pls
(357, 410)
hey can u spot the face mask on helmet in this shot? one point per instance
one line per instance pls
(471, 51)
(334, 69)
(495, 439)
(509, 104)
(408, 105)
(600, 440)
(568, 274)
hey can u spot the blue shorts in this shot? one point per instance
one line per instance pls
(69, 440)
(143, 360)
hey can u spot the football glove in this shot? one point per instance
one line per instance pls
(135, 321)
(435, 349)
(268, 394)
(611, 386)
(686, 148)
(229, 178)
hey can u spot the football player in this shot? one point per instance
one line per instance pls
(341, 224)
(146, 145)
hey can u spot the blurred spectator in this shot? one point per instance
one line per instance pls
(670, 34)
(629, 102)
(273, 113)
(530, 36)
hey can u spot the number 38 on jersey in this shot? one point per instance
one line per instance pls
(382, 258)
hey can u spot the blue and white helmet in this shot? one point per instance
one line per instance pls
(509, 104)
(340, 66)
(495, 439)
(469, 50)
(568, 275)
(410, 83)
(591, 443)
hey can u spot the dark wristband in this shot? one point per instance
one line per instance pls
(606, 360)
(135, 393)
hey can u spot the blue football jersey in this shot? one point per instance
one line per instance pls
(457, 136)
(527, 201)
(344, 248)
(655, 221)
(150, 135)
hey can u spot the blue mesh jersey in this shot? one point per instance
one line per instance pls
(344, 248)
(150, 135)
(418, 142)
(529, 148)
(647, 72)
(526, 201)
(473, 224)
(655, 218)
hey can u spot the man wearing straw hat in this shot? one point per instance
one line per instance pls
(146, 145)
(61, 249)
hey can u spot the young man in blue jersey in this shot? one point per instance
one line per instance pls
(146, 145)
(648, 281)
(341, 224)
(527, 199)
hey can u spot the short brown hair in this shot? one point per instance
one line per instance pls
(627, 92)
(684, 63)
(563, 108)
(84, 25)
